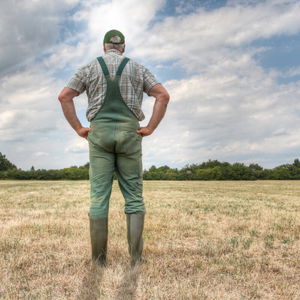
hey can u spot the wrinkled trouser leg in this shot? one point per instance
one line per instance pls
(129, 170)
(102, 165)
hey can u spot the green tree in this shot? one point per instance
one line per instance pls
(5, 164)
(296, 163)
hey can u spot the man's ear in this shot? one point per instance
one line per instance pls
(124, 49)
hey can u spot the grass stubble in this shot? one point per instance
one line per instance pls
(203, 240)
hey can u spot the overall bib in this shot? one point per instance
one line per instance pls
(115, 147)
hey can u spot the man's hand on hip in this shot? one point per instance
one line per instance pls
(144, 131)
(83, 131)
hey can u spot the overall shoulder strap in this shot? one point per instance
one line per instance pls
(122, 66)
(103, 66)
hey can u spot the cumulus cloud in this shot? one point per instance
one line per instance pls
(203, 38)
(131, 16)
(231, 108)
(32, 122)
(225, 105)
(234, 116)
(29, 28)
(77, 146)
(40, 154)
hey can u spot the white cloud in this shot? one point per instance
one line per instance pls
(77, 145)
(32, 123)
(28, 28)
(194, 36)
(132, 17)
(225, 106)
(228, 117)
(41, 154)
(294, 71)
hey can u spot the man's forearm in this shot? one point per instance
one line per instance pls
(70, 114)
(158, 113)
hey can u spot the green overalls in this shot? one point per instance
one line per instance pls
(114, 146)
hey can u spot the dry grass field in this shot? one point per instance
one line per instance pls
(203, 240)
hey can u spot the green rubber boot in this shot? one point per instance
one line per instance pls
(99, 232)
(135, 226)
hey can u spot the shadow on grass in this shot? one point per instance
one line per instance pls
(90, 287)
(129, 283)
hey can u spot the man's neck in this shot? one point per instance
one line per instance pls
(113, 51)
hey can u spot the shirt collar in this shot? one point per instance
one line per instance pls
(115, 51)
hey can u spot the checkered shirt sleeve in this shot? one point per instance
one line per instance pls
(149, 81)
(77, 81)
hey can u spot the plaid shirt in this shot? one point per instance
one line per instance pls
(134, 80)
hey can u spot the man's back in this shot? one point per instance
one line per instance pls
(135, 80)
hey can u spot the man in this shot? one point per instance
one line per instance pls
(114, 85)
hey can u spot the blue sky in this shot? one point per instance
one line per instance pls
(232, 69)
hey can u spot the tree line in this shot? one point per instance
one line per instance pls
(210, 170)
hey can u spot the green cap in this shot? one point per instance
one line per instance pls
(114, 37)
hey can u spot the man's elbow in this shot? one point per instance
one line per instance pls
(165, 97)
(61, 97)
(67, 95)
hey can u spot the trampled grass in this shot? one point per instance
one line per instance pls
(203, 240)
